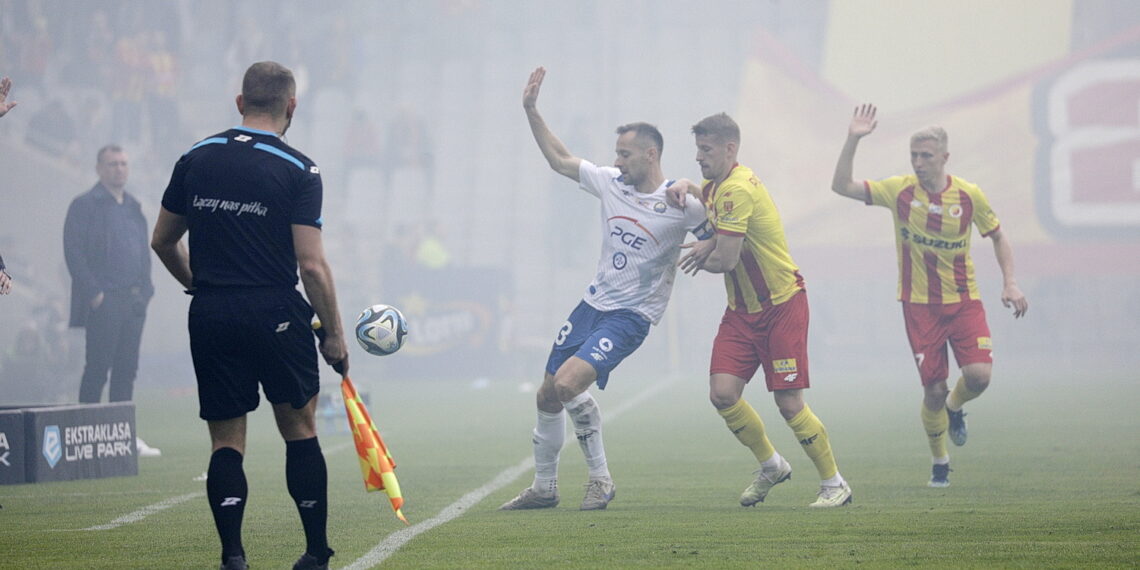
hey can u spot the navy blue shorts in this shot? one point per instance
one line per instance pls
(602, 338)
(243, 338)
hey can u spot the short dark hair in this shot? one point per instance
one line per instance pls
(720, 126)
(645, 131)
(266, 88)
(106, 148)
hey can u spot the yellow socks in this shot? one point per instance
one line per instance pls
(936, 424)
(747, 426)
(813, 438)
(960, 395)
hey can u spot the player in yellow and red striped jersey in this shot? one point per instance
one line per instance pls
(933, 213)
(765, 324)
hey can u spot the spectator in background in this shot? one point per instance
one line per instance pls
(105, 246)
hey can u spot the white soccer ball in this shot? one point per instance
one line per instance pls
(381, 329)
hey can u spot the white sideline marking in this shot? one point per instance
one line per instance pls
(146, 511)
(98, 494)
(394, 541)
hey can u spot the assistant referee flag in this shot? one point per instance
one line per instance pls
(376, 463)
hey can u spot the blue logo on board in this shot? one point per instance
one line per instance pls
(53, 446)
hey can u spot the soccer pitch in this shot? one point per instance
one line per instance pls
(1050, 478)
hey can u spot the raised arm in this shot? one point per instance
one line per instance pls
(5, 280)
(555, 152)
(1011, 295)
(5, 104)
(862, 124)
(316, 276)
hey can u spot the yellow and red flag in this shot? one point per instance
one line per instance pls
(376, 463)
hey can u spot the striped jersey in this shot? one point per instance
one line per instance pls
(932, 236)
(641, 239)
(766, 274)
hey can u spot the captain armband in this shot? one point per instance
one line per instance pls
(704, 231)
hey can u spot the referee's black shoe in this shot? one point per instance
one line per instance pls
(235, 563)
(309, 562)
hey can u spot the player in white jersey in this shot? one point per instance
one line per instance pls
(641, 242)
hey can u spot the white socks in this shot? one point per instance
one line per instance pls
(587, 418)
(549, 435)
(771, 463)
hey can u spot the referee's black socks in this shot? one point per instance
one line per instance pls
(307, 479)
(227, 491)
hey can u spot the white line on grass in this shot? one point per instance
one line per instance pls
(394, 541)
(146, 511)
(98, 494)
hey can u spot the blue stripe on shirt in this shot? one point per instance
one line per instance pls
(255, 131)
(274, 150)
(215, 140)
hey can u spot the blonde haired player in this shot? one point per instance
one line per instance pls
(933, 213)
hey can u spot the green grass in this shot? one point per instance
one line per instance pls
(1050, 477)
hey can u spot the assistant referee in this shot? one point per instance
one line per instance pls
(252, 207)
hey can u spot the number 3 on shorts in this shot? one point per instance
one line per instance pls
(563, 333)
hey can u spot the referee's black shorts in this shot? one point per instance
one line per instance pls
(240, 338)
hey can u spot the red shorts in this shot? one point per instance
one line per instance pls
(775, 338)
(930, 327)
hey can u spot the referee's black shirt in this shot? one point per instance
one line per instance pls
(241, 191)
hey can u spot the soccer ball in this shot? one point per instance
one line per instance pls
(381, 329)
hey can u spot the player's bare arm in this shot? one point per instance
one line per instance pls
(722, 256)
(166, 241)
(699, 251)
(5, 104)
(675, 193)
(556, 153)
(316, 276)
(1011, 295)
(862, 124)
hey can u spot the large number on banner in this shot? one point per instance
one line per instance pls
(1094, 163)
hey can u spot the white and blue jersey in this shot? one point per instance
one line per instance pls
(641, 239)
